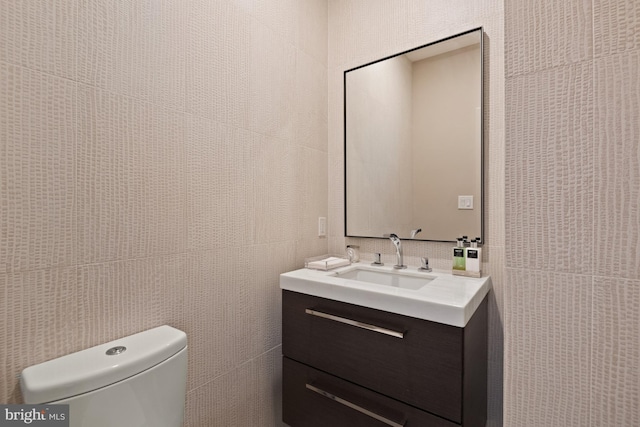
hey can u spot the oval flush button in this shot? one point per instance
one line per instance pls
(114, 351)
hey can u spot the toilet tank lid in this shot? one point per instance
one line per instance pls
(92, 368)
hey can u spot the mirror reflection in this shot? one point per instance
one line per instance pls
(413, 143)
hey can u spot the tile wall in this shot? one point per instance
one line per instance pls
(572, 329)
(161, 162)
(361, 31)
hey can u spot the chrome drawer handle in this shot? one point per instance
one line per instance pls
(355, 323)
(355, 407)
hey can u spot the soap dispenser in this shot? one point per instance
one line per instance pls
(473, 261)
(458, 257)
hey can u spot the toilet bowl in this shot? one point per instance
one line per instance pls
(136, 381)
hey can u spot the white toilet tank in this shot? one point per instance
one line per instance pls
(136, 381)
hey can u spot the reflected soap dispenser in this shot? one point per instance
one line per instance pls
(353, 252)
(458, 257)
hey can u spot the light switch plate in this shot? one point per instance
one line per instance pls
(465, 202)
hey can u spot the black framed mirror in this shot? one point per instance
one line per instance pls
(414, 142)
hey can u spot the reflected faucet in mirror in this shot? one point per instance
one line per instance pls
(398, 244)
(414, 232)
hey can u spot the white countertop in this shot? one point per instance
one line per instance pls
(446, 298)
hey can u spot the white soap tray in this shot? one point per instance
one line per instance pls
(326, 262)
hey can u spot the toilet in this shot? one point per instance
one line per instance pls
(136, 381)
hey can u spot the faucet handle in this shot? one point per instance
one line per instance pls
(424, 261)
(377, 260)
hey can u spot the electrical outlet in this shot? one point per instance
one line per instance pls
(322, 226)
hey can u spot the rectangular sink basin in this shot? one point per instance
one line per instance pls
(387, 279)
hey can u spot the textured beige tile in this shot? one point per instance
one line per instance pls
(272, 64)
(220, 197)
(438, 15)
(549, 165)
(281, 16)
(311, 97)
(313, 29)
(362, 31)
(218, 51)
(38, 322)
(233, 307)
(131, 178)
(276, 208)
(134, 48)
(434, 20)
(37, 155)
(311, 190)
(617, 166)
(616, 26)
(541, 35)
(268, 369)
(241, 216)
(615, 378)
(125, 297)
(247, 7)
(229, 400)
(263, 320)
(547, 324)
(248, 395)
(40, 35)
(437, 19)
(311, 164)
(248, 309)
(211, 308)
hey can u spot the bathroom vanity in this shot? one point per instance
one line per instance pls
(359, 351)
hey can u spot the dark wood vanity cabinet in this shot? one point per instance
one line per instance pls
(348, 365)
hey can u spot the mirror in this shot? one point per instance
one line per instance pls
(413, 143)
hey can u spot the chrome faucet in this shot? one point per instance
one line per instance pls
(414, 232)
(398, 244)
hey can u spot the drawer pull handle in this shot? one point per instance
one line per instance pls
(355, 407)
(355, 323)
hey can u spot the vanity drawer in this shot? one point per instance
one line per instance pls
(316, 399)
(412, 360)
